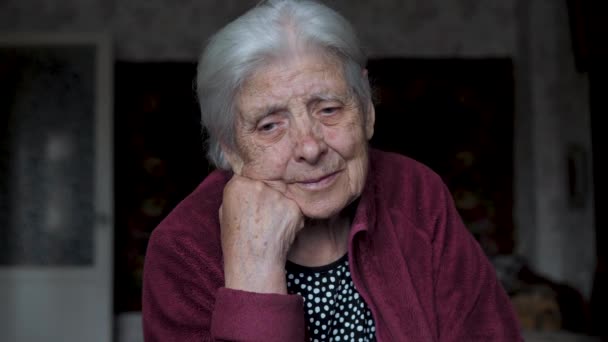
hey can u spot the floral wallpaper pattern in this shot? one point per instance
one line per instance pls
(176, 30)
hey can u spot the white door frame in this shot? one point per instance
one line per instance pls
(69, 303)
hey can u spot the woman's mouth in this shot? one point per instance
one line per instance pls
(318, 183)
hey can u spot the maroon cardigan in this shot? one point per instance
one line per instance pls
(416, 265)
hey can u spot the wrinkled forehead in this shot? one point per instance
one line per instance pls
(302, 79)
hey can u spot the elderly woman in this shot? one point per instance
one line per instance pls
(306, 233)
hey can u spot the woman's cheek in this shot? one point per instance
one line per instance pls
(268, 165)
(345, 141)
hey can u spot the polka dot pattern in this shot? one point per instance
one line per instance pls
(333, 308)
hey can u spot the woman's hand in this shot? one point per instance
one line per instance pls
(258, 225)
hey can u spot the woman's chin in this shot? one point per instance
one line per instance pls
(319, 212)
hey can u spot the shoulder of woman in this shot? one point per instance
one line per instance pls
(400, 176)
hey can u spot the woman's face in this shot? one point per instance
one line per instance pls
(299, 129)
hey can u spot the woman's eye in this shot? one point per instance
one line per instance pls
(267, 127)
(329, 110)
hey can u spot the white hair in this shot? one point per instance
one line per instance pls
(265, 33)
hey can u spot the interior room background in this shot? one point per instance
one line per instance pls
(493, 95)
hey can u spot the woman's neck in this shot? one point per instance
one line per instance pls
(321, 242)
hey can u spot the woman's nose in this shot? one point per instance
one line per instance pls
(310, 145)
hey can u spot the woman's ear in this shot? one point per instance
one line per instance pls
(233, 158)
(370, 115)
(370, 120)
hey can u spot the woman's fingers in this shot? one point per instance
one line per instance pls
(258, 224)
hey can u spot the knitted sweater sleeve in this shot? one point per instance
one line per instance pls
(471, 303)
(184, 298)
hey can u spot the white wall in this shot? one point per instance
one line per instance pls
(552, 113)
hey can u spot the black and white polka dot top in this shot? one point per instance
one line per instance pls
(333, 308)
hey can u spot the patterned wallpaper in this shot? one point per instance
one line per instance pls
(176, 30)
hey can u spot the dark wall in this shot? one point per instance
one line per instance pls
(596, 13)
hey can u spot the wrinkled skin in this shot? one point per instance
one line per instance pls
(301, 156)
